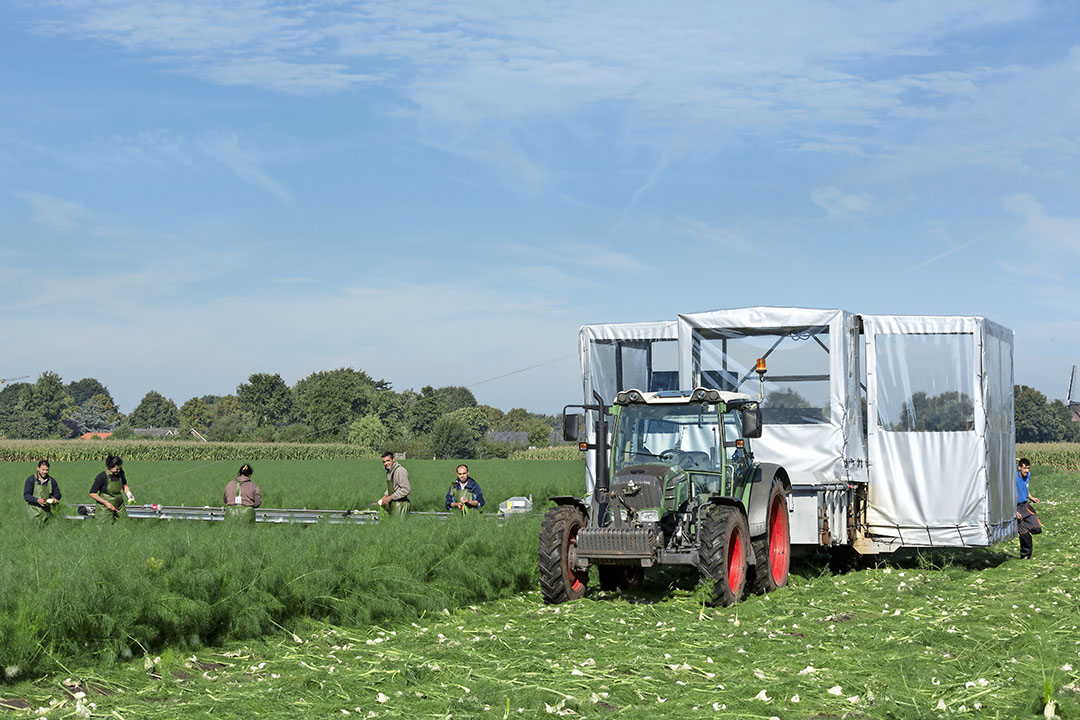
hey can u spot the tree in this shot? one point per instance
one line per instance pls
(155, 411)
(10, 396)
(369, 432)
(454, 397)
(1035, 419)
(266, 398)
(97, 414)
(82, 390)
(424, 411)
(451, 438)
(42, 407)
(329, 401)
(194, 414)
(474, 418)
(945, 412)
(785, 397)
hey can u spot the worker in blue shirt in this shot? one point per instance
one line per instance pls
(464, 493)
(1027, 522)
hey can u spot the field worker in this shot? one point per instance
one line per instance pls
(242, 496)
(396, 499)
(109, 489)
(42, 494)
(464, 493)
(1027, 522)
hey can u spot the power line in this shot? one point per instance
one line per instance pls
(515, 372)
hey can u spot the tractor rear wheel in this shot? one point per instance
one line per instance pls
(559, 579)
(773, 552)
(723, 539)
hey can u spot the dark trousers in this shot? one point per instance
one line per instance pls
(1025, 545)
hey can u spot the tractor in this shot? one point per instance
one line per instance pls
(679, 485)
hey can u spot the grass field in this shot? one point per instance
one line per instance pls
(966, 633)
(327, 484)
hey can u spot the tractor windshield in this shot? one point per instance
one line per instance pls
(683, 435)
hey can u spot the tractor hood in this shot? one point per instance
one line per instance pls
(641, 487)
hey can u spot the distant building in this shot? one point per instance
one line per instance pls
(1074, 408)
(156, 432)
(97, 435)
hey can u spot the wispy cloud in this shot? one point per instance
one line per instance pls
(244, 162)
(934, 259)
(840, 205)
(475, 74)
(1042, 232)
(54, 212)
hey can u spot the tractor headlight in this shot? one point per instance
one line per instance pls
(649, 515)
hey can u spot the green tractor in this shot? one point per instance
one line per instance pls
(678, 486)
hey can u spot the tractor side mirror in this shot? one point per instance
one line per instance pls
(570, 429)
(751, 422)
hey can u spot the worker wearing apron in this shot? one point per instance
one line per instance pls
(42, 495)
(396, 500)
(109, 490)
(242, 496)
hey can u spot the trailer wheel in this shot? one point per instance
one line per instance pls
(722, 553)
(616, 577)
(774, 550)
(559, 580)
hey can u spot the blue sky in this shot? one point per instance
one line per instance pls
(441, 193)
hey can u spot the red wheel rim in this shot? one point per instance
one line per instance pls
(779, 542)
(576, 579)
(736, 564)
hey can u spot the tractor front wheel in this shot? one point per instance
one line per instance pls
(774, 550)
(722, 552)
(560, 580)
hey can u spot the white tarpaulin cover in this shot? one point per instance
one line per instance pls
(940, 430)
(939, 438)
(614, 357)
(811, 410)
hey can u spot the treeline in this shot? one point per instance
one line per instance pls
(1041, 420)
(343, 405)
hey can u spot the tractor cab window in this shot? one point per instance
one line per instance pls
(682, 435)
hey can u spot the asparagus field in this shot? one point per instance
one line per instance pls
(438, 619)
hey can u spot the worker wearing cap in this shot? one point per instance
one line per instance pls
(464, 493)
(109, 489)
(396, 500)
(242, 496)
(41, 494)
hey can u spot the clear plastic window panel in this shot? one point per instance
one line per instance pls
(925, 383)
(647, 365)
(797, 381)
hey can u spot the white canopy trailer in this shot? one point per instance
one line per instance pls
(933, 466)
(642, 355)
(811, 409)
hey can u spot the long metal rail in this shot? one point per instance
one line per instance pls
(303, 516)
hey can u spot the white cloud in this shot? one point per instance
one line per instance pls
(244, 162)
(1041, 232)
(840, 205)
(54, 212)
